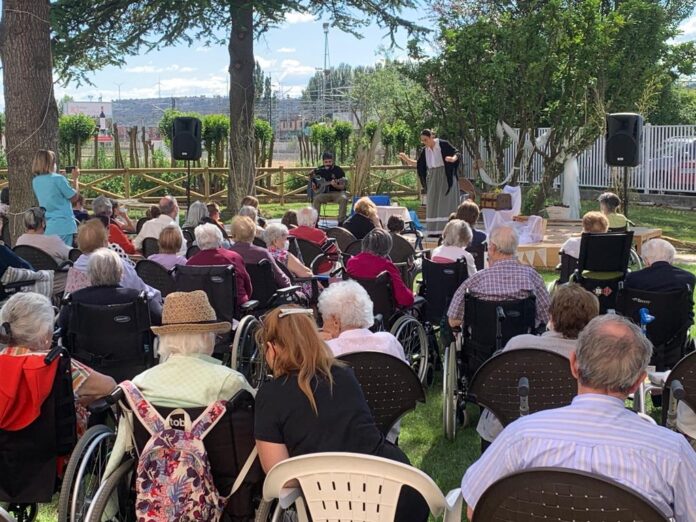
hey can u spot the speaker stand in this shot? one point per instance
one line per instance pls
(188, 185)
(625, 191)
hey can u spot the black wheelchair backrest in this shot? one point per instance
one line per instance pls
(440, 282)
(150, 246)
(481, 318)
(218, 282)
(479, 254)
(605, 252)
(380, 291)
(156, 276)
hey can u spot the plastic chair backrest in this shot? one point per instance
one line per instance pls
(605, 252)
(354, 248)
(192, 251)
(308, 251)
(342, 236)
(112, 339)
(140, 223)
(150, 246)
(440, 282)
(562, 494)
(259, 242)
(495, 384)
(218, 282)
(336, 486)
(479, 254)
(669, 330)
(156, 276)
(36, 257)
(685, 372)
(402, 251)
(74, 254)
(381, 293)
(390, 386)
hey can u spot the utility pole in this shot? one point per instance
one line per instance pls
(325, 71)
(119, 89)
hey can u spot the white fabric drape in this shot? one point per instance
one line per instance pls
(571, 188)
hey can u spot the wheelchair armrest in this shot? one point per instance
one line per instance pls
(558, 267)
(288, 496)
(249, 306)
(17, 284)
(658, 378)
(288, 290)
(99, 406)
(418, 300)
(65, 266)
(499, 313)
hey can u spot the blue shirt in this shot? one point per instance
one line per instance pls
(595, 434)
(54, 193)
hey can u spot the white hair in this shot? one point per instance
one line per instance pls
(30, 317)
(307, 217)
(273, 232)
(457, 233)
(658, 250)
(185, 343)
(102, 206)
(104, 267)
(195, 214)
(505, 239)
(349, 302)
(250, 212)
(208, 236)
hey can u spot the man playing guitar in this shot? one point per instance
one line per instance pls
(328, 185)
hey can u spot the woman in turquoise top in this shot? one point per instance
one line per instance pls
(55, 195)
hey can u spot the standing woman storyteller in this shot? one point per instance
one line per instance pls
(55, 195)
(437, 166)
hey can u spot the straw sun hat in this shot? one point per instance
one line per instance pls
(189, 312)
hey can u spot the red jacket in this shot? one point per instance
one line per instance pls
(222, 256)
(368, 266)
(117, 236)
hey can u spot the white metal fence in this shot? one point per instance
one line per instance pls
(669, 161)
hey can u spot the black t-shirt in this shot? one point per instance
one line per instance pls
(358, 225)
(335, 172)
(344, 422)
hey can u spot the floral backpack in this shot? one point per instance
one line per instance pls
(173, 478)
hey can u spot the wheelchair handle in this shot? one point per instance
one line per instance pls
(500, 313)
(677, 390)
(114, 396)
(523, 387)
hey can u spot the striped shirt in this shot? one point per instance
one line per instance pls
(595, 434)
(505, 279)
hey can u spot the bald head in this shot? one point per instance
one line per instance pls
(169, 206)
(505, 239)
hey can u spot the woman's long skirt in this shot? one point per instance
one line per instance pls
(440, 203)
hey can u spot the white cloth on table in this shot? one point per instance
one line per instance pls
(516, 195)
(385, 212)
(533, 231)
(433, 157)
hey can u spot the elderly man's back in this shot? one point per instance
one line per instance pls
(596, 434)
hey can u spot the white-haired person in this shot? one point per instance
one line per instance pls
(209, 239)
(253, 214)
(276, 237)
(169, 216)
(455, 238)
(307, 229)
(35, 236)
(195, 214)
(105, 272)
(596, 433)
(27, 330)
(505, 279)
(187, 376)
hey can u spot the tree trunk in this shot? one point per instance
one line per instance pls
(78, 153)
(241, 69)
(30, 105)
(270, 151)
(118, 157)
(96, 152)
(146, 150)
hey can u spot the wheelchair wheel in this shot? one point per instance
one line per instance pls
(115, 500)
(84, 472)
(450, 392)
(272, 512)
(411, 334)
(246, 356)
(634, 261)
(20, 512)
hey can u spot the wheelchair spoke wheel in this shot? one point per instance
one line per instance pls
(84, 473)
(450, 393)
(23, 512)
(246, 356)
(411, 334)
(272, 512)
(115, 499)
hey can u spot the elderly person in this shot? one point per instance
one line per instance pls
(455, 238)
(306, 229)
(92, 236)
(469, 211)
(209, 240)
(253, 214)
(596, 433)
(27, 320)
(79, 211)
(364, 219)
(572, 307)
(609, 204)
(195, 214)
(276, 237)
(35, 236)
(55, 194)
(169, 246)
(373, 260)
(105, 272)
(289, 219)
(505, 279)
(103, 206)
(186, 342)
(592, 223)
(169, 215)
(243, 232)
(120, 217)
(347, 312)
(215, 219)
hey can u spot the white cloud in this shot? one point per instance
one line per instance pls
(265, 63)
(202, 49)
(688, 29)
(287, 50)
(295, 17)
(295, 68)
(150, 69)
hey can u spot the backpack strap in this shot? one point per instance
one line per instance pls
(243, 472)
(146, 413)
(208, 419)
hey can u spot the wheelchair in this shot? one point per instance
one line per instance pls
(30, 457)
(487, 327)
(267, 292)
(229, 446)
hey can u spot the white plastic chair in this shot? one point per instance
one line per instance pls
(351, 487)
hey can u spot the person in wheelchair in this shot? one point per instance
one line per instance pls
(455, 238)
(609, 204)
(592, 223)
(187, 376)
(314, 403)
(469, 211)
(105, 271)
(596, 433)
(27, 331)
(346, 309)
(506, 278)
(35, 236)
(572, 307)
(243, 232)
(373, 260)
(276, 238)
(659, 274)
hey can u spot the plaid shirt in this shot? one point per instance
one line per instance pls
(505, 279)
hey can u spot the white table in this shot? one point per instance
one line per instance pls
(385, 212)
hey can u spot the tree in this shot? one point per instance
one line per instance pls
(676, 105)
(263, 135)
(30, 105)
(80, 25)
(342, 132)
(74, 130)
(216, 131)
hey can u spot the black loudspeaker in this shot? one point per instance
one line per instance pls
(186, 138)
(624, 144)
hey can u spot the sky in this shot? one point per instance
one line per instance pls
(290, 54)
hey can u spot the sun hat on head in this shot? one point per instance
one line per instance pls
(189, 312)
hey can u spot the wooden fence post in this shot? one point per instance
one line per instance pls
(206, 183)
(126, 183)
(281, 190)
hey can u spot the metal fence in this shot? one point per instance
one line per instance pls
(669, 161)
